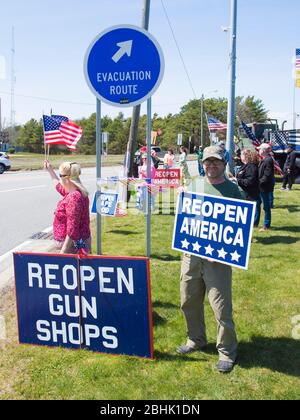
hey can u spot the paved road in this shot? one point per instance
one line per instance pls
(28, 200)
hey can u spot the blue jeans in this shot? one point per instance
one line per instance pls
(264, 198)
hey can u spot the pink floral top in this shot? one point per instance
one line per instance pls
(72, 216)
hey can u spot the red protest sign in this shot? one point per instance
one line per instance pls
(169, 178)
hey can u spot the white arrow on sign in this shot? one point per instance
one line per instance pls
(125, 48)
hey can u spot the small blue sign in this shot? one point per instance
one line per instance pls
(105, 203)
(214, 228)
(101, 304)
(124, 65)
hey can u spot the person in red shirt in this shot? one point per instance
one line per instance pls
(71, 225)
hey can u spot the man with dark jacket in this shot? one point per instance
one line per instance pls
(266, 185)
(289, 168)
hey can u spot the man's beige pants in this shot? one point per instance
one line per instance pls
(198, 276)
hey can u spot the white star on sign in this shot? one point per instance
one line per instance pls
(196, 246)
(222, 253)
(208, 250)
(185, 244)
(235, 256)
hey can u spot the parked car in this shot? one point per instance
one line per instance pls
(159, 153)
(5, 163)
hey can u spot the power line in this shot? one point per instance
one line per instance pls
(49, 99)
(78, 103)
(179, 52)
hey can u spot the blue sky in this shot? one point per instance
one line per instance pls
(51, 38)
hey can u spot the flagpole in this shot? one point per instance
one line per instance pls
(208, 127)
(294, 107)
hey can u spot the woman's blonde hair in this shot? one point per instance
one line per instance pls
(250, 156)
(72, 172)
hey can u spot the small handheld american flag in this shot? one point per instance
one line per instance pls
(60, 130)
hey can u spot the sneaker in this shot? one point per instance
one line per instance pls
(224, 366)
(288, 189)
(186, 349)
(282, 188)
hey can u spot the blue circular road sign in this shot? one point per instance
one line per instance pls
(124, 65)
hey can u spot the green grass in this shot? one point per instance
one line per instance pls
(266, 297)
(33, 161)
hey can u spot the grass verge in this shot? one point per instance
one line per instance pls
(34, 161)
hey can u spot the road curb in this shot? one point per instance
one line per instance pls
(7, 264)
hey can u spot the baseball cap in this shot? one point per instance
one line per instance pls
(213, 152)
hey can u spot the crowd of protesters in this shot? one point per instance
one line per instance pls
(254, 173)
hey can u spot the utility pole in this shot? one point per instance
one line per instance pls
(202, 101)
(231, 99)
(132, 141)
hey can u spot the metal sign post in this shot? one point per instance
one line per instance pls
(124, 65)
(149, 180)
(98, 157)
(105, 138)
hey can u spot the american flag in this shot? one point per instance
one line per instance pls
(279, 140)
(60, 130)
(294, 139)
(214, 124)
(250, 135)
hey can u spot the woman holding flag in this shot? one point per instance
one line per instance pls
(71, 226)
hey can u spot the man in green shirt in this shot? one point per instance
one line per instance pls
(199, 275)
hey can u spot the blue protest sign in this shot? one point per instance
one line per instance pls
(215, 228)
(105, 203)
(124, 65)
(102, 304)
